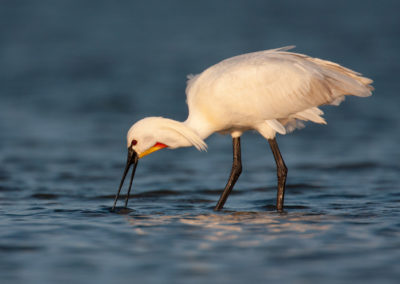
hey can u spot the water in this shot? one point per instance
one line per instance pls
(75, 75)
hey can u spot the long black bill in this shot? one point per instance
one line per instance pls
(132, 159)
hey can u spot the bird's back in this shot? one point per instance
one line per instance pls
(271, 85)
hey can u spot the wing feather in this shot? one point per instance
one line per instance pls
(274, 85)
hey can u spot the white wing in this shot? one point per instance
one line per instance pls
(272, 85)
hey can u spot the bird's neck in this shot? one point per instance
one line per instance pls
(198, 125)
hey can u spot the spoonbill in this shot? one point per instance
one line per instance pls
(272, 91)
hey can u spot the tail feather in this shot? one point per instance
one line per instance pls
(344, 81)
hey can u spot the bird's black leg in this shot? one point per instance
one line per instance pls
(235, 173)
(281, 172)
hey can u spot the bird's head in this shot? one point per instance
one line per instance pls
(152, 134)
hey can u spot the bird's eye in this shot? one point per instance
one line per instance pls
(134, 142)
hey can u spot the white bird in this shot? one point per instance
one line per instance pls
(271, 91)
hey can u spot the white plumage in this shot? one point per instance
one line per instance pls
(270, 91)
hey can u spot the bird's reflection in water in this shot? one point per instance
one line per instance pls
(246, 229)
